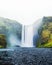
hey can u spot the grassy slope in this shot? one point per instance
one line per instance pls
(47, 45)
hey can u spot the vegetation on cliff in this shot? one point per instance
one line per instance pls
(45, 36)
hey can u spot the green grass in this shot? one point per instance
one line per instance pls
(46, 45)
(1, 46)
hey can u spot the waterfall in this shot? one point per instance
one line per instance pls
(27, 36)
(23, 36)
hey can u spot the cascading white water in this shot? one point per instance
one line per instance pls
(27, 36)
(23, 36)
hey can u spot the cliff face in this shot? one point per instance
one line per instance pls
(9, 28)
(45, 33)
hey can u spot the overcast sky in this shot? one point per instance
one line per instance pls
(25, 11)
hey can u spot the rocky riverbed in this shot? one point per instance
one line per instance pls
(26, 56)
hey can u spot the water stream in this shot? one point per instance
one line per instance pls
(27, 36)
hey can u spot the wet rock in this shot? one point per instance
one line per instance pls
(26, 56)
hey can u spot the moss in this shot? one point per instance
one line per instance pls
(45, 36)
(3, 41)
(46, 45)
